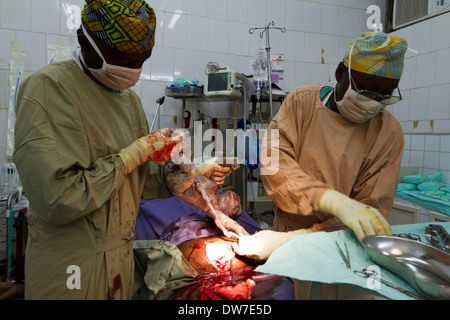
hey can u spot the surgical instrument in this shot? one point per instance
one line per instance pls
(159, 101)
(344, 257)
(438, 237)
(374, 275)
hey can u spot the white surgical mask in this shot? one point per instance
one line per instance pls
(111, 76)
(353, 108)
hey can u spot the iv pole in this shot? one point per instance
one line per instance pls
(269, 61)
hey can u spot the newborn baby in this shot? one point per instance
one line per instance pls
(185, 183)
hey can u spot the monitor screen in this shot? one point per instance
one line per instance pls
(218, 81)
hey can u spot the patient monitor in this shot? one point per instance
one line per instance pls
(221, 82)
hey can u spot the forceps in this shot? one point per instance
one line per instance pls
(344, 257)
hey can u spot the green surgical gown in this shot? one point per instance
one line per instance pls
(83, 206)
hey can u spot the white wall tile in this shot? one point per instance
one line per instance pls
(295, 15)
(330, 45)
(416, 158)
(426, 69)
(443, 66)
(346, 22)
(15, 14)
(230, 60)
(313, 47)
(197, 33)
(421, 40)
(35, 49)
(329, 19)
(150, 92)
(276, 12)
(4, 89)
(441, 36)
(401, 109)
(432, 143)
(431, 160)
(312, 17)
(439, 105)
(218, 38)
(417, 142)
(303, 74)
(320, 74)
(408, 80)
(185, 64)
(405, 158)
(3, 127)
(257, 12)
(176, 6)
(7, 36)
(441, 126)
(195, 7)
(295, 49)
(244, 65)
(162, 64)
(445, 143)
(46, 16)
(159, 34)
(444, 161)
(239, 38)
(175, 30)
(237, 11)
(419, 104)
(217, 9)
(360, 21)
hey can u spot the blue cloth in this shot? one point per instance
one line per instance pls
(428, 199)
(155, 215)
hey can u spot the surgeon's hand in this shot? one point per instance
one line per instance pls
(361, 218)
(262, 244)
(216, 169)
(159, 146)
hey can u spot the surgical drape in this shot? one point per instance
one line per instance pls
(319, 150)
(83, 206)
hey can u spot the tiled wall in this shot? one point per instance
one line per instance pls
(191, 33)
(425, 110)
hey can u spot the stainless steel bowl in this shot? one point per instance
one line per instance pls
(424, 267)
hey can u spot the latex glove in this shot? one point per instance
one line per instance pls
(216, 169)
(361, 218)
(159, 146)
(262, 244)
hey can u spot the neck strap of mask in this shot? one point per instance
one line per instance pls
(92, 42)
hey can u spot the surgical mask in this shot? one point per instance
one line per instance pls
(352, 107)
(111, 76)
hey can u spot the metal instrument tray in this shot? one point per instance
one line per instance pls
(424, 267)
(184, 92)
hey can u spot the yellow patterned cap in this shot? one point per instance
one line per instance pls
(377, 53)
(127, 25)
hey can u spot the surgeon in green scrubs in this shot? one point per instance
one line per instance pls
(82, 155)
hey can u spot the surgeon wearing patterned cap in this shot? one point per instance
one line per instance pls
(339, 150)
(84, 157)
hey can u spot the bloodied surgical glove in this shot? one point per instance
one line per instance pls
(216, 169)
(159, 146)
(361, 218)
(261, 245)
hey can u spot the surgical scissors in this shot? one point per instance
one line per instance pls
(374, 275)
(344, 257)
